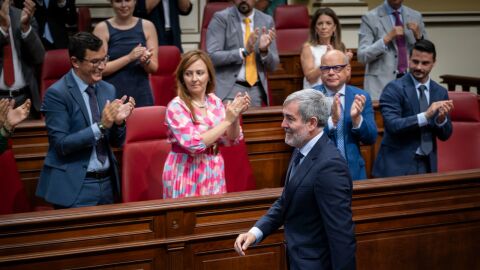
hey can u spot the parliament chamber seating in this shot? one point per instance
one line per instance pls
(238, 171)
(292, 27)
(13, 198)
(144, 154)
(163, 81)
(462, 150)
(208, 11)
(55, 65)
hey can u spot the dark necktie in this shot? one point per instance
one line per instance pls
(293, 166)
(401, 45)
(8, 73)
(426, 140)
(100, 148)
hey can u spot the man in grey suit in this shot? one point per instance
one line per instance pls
(241, 63)
(387, 33)
(18, 28)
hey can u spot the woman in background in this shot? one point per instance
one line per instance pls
(132, 47)
(198, 121)
(325, 34)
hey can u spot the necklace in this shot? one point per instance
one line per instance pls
(201, 106)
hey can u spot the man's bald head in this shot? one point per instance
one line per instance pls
(335, 69)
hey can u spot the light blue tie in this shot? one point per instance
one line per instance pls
(46, 32)
(340, 133)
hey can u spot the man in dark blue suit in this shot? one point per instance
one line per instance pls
(415, 112)
(83, 121)
(351, 121)
(315, 205)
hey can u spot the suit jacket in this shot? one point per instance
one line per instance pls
(71, 140)
(399, 106)
(365, 134)
(225, 38)
(381, 62)
(30, 53)
(156, 16)
(56, 17)
(321, 235)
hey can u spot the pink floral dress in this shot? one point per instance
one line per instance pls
(194, 170)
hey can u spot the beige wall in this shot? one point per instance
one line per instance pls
(435, 5)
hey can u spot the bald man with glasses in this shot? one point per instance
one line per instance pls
(351, 120)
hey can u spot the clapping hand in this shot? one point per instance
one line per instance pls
(137, 52)
(27, 13)
(5, 16)
(336, 110)
(356, 110)
(266, 38)
(124, 110)
(236, 107)
(17, 115)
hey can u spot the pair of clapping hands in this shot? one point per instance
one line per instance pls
(142, 54)
(238, 106)
(266, 38)
(117, 111)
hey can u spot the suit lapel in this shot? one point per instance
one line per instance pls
(386, 22)
(411, 92)
(346, 109)
(302, 171)
(77, 96)
(237, 27)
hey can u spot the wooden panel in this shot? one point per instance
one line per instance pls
(415, 222)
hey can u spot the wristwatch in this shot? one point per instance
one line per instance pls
(102, 128)
(245, 53)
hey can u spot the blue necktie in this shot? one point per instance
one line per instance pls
(100, 148)
(426, 135)
(297, 156)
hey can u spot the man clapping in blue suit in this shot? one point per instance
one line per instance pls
(351, 121)
(83, 121)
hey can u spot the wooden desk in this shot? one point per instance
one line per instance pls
(416, 222)
(466, 82)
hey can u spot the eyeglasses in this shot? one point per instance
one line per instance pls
(336, 69)
(97, 62)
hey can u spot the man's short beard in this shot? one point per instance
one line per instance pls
(244, 8)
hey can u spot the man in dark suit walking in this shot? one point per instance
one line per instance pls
(315, 205)
(84, 121)
(415, 113)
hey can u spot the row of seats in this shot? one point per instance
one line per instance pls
(57, 63)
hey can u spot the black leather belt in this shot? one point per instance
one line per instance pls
(98, 175)
(246, 84)
(13, 93)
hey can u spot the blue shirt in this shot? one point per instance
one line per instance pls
(94, 164)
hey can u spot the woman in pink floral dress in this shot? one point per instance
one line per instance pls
(198, 122)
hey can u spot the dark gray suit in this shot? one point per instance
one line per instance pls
(30, 53)
(381, 62)
(225, 37)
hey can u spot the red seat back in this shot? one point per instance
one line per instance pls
(163, 81)
(462, 150)
(84, 20)
(144, 154)
(292, 27)
(13, 198)
(208, 11)
(55, 65)
(238, 172)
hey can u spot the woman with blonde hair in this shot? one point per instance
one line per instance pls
(198, 122)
